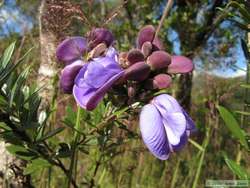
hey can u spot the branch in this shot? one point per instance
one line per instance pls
(165, 13)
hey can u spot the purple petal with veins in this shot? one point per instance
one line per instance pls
(164, 121)
(153, 132)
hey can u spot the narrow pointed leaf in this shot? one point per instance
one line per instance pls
(232, 125)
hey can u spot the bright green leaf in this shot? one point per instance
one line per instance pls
(7, 54)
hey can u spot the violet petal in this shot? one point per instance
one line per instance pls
(153, 132)
(68, 75)
(88, 97)
(71, 49)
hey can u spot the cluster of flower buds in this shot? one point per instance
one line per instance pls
(93, 66)
(151, 63)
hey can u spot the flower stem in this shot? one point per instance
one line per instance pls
(165, 13)
(73, 161)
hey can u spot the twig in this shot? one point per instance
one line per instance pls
(114, 13)
(165, 13)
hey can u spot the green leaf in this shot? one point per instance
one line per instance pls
(236, 169)
(14, 148)
(9, 69)
(36, 165)
(232, 125)
(18, 85)
(21, 152)
(242, 9)
(4, 126)
(51, 134)
(7, 55)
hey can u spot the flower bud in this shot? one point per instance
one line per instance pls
(162, 81)
(147, 33)
(137, 72)
(100, 35)
(135, 56)
(147, 48)
(159, 60)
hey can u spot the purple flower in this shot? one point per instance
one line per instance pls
(96, 78)
(165, 126)
(71, 49)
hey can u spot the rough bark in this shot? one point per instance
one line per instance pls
(47, 69)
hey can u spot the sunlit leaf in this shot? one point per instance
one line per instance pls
(8, 54)
(232, 125)
(236, 169)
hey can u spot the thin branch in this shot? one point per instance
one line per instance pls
(165, 13)
(114, 13)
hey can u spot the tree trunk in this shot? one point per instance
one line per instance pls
(184, 90)
(47, 69)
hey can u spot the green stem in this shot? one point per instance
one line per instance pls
(73, 161)
(175, 174)
(198, 172)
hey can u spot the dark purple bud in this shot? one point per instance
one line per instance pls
(162, 81)
(147, 33)
(135, 56)
(137, 72)
(146, 48)
(100, 35)
(68, 75)
(159, 60)
(180, 64)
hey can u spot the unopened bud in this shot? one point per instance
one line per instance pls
(159, 60)
(137, 72)
(146, 34)
(100, 35)
(135, 56)
(162, 81)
